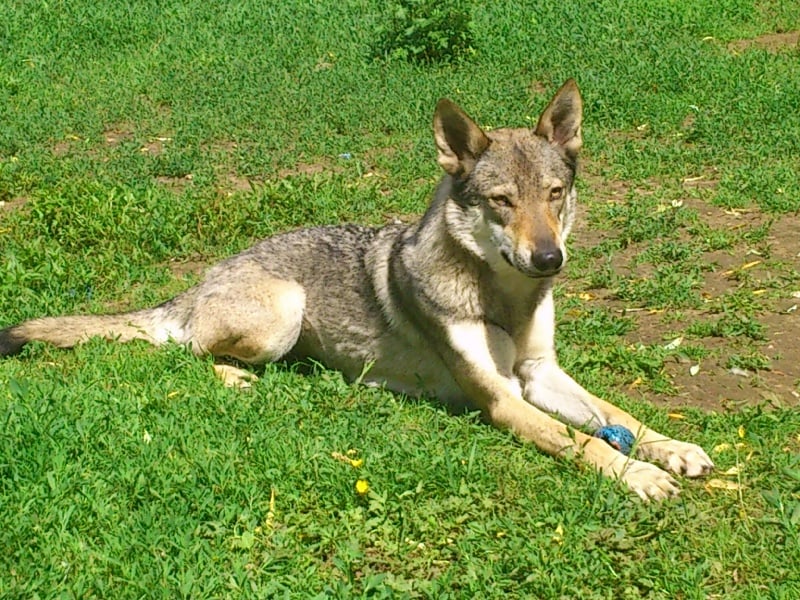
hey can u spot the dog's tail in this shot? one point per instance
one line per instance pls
(155, 325)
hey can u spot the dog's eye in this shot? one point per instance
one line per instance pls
(556, 193)
(502, 201)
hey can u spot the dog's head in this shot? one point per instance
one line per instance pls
(514, 188)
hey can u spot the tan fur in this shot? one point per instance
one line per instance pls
(458, 306)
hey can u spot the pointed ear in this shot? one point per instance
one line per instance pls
(560, 122)
(459, 140)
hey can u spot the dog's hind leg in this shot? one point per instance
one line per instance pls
(257, 320)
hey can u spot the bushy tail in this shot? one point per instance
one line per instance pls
(156, 325)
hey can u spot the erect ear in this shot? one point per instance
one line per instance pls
(459, 140)
(560, 122)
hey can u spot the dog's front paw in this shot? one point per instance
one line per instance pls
(646, 480)
(680, 457)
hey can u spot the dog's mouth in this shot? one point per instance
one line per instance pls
(531, 272)
(540, 275)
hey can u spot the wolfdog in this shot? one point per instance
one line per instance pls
(457, 306)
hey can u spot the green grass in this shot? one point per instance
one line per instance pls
(129, 472)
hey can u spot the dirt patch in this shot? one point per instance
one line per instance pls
(713, 384)
(760, 269)
(65, 147)
(237, 183)
(783, 240)
(603, 189)
(771, 42)
(538, 88)
(115, 135)
(307, 169)
(192, 266)
(14, 204)
(155, 146)
(175, 184)
(112, 137)
(62, 148)
(700, 181)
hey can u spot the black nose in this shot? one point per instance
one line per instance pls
(548, 260)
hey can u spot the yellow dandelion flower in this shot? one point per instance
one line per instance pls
(558, 534)
(362, 487)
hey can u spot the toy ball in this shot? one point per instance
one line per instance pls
(617, 436)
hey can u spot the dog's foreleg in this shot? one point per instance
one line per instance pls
(679, 457)
(471, 356)
(548, 387)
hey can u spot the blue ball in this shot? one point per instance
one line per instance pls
(617, 436)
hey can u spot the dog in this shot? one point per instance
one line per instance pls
(458, 305)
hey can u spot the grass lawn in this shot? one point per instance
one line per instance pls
(141, 142)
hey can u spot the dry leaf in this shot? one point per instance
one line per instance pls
(270, 520)
(721, 484)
